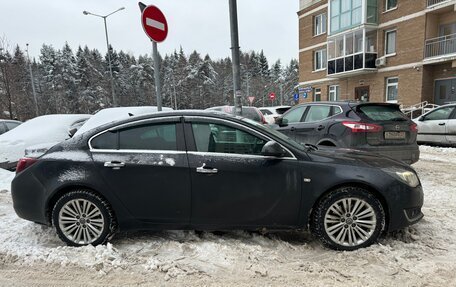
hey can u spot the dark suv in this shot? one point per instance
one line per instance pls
(375, 127)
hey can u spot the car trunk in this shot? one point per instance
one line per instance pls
(396, 128)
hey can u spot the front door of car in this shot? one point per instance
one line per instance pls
(313, 126)
(291, 119)
(433, 126)
(233, 184)
(145, 165)
(451, 129)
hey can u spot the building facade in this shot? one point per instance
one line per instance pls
(400, 51)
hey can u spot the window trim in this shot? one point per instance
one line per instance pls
(311, 105)
(387, 85)
(322, 25)
(391, 8)
(386, 42)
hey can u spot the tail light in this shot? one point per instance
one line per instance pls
(24, 163)
(414, 127)
(357, 127)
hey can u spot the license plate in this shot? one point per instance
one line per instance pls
(394, 135)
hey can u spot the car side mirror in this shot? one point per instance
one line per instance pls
(281, 122)
(272, 148)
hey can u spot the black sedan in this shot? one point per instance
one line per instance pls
(212, 171)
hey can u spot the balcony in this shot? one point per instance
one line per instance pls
(440, 48)
(431, 3)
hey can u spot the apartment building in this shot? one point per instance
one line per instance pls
(400, 51)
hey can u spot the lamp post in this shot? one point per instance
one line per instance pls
(114, 99)
(33, 81)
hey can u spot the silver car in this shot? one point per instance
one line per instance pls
(438, 126)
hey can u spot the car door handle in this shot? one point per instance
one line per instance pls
(441, 124)
(320, 127)
(292, 129)
(114, 164)
(206, 170)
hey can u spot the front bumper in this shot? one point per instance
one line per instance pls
(405, 207)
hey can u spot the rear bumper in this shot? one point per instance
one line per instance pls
(405, 153)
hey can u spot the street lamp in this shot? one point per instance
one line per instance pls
(114, 99)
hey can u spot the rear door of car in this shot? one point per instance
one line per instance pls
(291, 119)
(145, 165)
(233, 184)
(435, 126)
(395, 127)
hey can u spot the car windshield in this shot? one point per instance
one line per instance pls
(381, 113)
(280, 135)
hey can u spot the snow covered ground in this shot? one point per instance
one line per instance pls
(421, 255)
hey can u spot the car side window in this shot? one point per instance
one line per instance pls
(440, 114)
(295, 115)
(107, 140)
(266, 112)
(318, 113)
(11, 126)
(2, 128)
(149, 137)
(217, 138)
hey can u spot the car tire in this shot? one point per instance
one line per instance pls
(82, 217)
(348, 218)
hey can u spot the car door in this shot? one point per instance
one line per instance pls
(291, 119)
(451, 129)
(432, 127)
(145, 165)
(313, 126)
(233, 185)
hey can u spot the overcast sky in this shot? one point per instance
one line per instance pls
(202, 25)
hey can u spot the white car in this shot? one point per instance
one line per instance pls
(42, 131)
(271, 113)
(438, 126)
(109, 115)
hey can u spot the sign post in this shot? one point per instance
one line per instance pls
(156, 28)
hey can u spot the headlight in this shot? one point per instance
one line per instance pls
(408, 177)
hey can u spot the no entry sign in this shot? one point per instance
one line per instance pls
(154, 24)
(272, 96)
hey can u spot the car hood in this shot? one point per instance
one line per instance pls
(355, 157)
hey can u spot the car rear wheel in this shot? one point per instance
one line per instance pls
(82, 218)
(348, 218)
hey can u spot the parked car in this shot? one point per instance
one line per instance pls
(271, 113)
(252, 113)
(438, 126)
(7, 125)
(374, 127)
(212, 171)
(44, 132)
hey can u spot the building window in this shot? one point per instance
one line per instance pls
(345, 14)
(333, 93)
(320, 60)
(316, 94)
(320, 24)
(390, 42)
(391, 89)
(390, 4)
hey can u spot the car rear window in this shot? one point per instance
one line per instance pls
(381, 113)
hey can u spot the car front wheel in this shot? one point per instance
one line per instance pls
(348, 218)
(82, 217)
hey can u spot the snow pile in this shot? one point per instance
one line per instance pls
(421, 255)
(116, 114)
(5, 180)
(37, 131)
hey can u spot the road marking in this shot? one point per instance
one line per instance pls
(155, 24)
